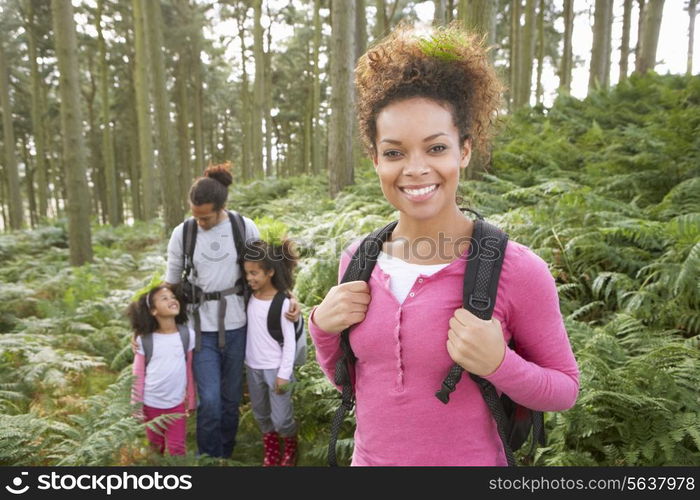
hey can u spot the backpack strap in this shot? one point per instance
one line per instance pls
(184, 337)
(189, 240)
(359, 268)
(147, 344)
(479, 297)
(274, 321)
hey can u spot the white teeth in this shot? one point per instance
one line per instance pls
(421, 191)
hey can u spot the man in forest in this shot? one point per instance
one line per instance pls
(214, 283)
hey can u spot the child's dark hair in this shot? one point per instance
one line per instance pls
(213, 187)
(280, 258)
(139, 311)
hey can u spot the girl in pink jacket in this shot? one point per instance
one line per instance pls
(162, 369)
(426, 103)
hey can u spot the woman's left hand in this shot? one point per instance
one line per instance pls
(294, 309)
(475, 344)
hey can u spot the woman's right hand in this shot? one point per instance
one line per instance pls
(344, 305)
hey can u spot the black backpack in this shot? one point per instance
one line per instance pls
(194, 295)
(485, 259)
(147, 342)
(274, 327)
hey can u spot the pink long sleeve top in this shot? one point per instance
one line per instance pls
(402, 359)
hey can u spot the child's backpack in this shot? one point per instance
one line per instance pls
(147, 342)
(485, 258)
(274, 326)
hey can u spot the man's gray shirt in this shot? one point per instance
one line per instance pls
(215, 259)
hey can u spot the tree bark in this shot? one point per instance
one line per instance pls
(381, 28)
(651, 25)
(113, 215)
(268, 99)
(600, 54)
(515, 36)
(360, 29)
(567, 56)
(77, 200)
(340, 145)
(527, 53)
(37, 111)
(640, 20)
(316, 135)
(245, 120)
(141, 71)
(625, 43)
(439, 18)
(258, 92)
(540, 52)
(16, 208)
(480, 16)
(692, 11)
(170, 178)
(198, 97)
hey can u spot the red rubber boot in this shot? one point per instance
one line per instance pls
(289, 458)
(271, 444)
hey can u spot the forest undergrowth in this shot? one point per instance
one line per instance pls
(606, 190)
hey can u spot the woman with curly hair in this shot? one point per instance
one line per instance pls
(425, 104)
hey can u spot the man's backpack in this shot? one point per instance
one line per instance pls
(193, 294)
(274, 326)
(147, 342)
(486, 253)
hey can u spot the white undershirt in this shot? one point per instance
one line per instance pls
(263, 352)
(166, 372)
(404, 274)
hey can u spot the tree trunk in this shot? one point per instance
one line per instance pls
(141, 71)
(439, 18)
(651, 25)
(381, 28)
(608, 43)
(317, 136)
(29, 179)
(692, 11)
(182, 70)
(515, 36)
(540, 53)
(169, 175)
(258, 92)
(42, 184)
(567, 56)
(340, 146)
(268, 99)
(246, 118)
(12, 173)
(360, 29)
(640, 21)
(600, 54)
(113, 215)
(77, 200)
(625, 43)
(527, 53)
(480, 16)
(198, 99)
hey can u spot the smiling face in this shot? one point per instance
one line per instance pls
(164, 304)
(419, 157)
(257, 277)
